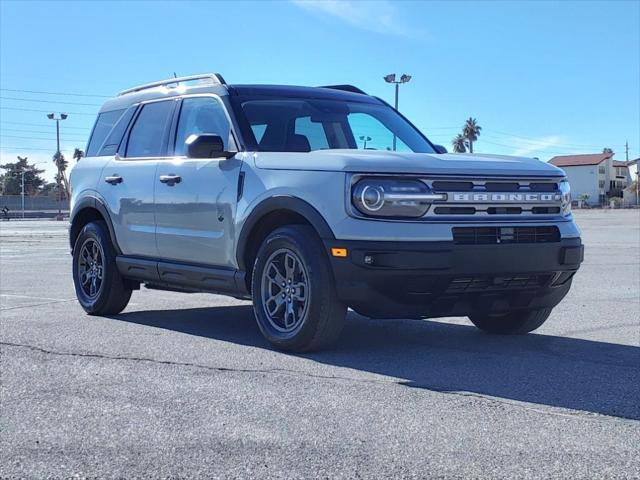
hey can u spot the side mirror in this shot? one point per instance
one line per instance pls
(440, 149)
(206, 145)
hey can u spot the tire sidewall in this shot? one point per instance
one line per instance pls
(97, 232)
(305, 246)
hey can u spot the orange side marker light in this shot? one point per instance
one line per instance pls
(339, 252)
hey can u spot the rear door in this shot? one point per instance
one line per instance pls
(196, 198)
(129, 182)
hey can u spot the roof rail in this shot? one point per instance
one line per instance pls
(346, 88)
(215, 77)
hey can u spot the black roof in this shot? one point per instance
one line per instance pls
(337, 93)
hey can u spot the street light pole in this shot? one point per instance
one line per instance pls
(63, 116)
(391, 78)
(22, 192)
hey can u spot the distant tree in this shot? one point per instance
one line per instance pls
(471, 131)
(607, 150)
(61, 177)
(11, 180)
(78, 154)
(459, 143)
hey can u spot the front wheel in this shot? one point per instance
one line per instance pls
(294, 297)
(513, 323)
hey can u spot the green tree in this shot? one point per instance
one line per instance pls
(78, 154)
(607, 150)
(471, 131)
(459, 143)
(11, 180)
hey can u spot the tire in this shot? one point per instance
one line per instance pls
(513, 323)
(309, 315)
(99, 287)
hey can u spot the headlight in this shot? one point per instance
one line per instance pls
(389, 197)
(565, 190)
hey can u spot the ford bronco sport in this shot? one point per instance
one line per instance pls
(310, 201)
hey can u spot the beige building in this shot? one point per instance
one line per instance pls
(596, 177)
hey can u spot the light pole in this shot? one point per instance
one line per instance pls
(63, 116)
(22, 192)
(365, 139)
(391, 78)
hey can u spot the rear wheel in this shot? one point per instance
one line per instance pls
(99, 287)
(294, 298)
(514, 323)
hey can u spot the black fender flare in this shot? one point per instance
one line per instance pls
(91, 201)
(280, 202)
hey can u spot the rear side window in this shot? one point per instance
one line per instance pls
(110, 145)
(147, 137)
(103, 126)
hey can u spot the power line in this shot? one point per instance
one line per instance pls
(45, 111)
(3, 129)
(37, 100)
(55, 93)
(5, 147)
(44, 125)
(49, 139)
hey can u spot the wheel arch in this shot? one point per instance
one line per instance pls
(272, 213)
(90, 209)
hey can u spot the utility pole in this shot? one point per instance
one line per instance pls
(22, 193)
(63, 116)
(391, 78)
(626, 150)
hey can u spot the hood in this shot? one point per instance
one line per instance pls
(373, 161)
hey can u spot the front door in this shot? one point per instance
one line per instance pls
(129, 179)
(196, 198)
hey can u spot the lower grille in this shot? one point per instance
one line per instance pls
(495, 235)
(483, 284)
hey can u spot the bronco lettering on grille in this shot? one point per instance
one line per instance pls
(505, 197)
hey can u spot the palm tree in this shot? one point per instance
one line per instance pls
(78, 154)
(471, 131)
(61, 164)
(459, 144)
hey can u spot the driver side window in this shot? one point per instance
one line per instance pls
(201, 115)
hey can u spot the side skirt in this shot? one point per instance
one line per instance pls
(160, 274)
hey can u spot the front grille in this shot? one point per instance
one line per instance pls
(495, 197)
(484, 284)
(495, 235)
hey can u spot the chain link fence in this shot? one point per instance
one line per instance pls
(34, 206)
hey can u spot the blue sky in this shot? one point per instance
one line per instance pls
(542, 78)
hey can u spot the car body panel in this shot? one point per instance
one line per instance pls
(452, 164)
(195, 218)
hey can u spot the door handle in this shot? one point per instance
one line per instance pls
(171, 179)
(113, 179)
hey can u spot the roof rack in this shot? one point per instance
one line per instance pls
(345, 88)
(215, 77)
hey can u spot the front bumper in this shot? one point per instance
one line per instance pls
(432, 279)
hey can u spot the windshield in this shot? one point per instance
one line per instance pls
(280, 124)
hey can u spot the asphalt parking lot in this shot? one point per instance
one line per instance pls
(185, 386)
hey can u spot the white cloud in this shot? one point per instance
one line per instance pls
(525, 148)
(375, 16)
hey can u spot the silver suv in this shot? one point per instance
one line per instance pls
(309, 201)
